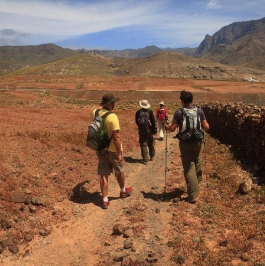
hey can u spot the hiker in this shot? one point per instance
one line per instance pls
(111, 158)
(161, 117)
(145, 120)
(190, 147)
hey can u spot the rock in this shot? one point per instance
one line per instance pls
(246, 186)
(13, 249)
(36, 201)
(128, 233)
(196, 240)
(157, 210)
(223, 243)
(245, 257)
(66, 217)
(179, 259)
(119, 257)
(32, 209)
(39, 201)
(4, 224)
(118, 229)
(128, 244)
(18, 197)
(42, 232)
(28, 237)
(6, 242)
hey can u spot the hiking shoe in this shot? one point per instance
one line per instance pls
(152, 158)
(105, 205)
(127, 193)
(192, 201)
(145, 162)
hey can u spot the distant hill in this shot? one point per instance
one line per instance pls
(165, 65)
(16, 57)
(139, 53)
(79, 64)
(238, 44)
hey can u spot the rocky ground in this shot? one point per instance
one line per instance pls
(50, 199)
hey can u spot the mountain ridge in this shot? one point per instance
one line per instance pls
(237, 44)
(162, 65)
(240, 44)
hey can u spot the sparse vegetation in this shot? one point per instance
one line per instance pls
(44, 158)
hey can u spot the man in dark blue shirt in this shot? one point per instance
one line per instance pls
(190, 147)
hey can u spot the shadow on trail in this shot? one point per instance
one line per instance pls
(165, 196)
(81, 196)
(129, 159)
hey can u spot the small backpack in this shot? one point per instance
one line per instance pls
(191, 125)
(97, 137)
(144, 121)
(162, 114)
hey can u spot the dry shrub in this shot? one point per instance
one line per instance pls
(47, 137)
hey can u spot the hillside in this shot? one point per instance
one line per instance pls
(238, 44)
(162, 65)
(80, 64)
(140, 53)
(17, 57)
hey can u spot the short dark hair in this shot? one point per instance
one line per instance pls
(186, 97)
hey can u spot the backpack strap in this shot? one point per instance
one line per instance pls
(106, 114)
(97, 113)
(195, 121)
(185, 123)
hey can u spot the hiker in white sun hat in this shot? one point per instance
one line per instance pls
(145, 120)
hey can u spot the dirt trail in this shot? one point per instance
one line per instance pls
(86, 238)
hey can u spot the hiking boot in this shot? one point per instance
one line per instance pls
(192, 201)
(127, 193)
(152, 158)
(145, 162)
(105, 205)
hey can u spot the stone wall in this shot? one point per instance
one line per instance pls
(242, 126)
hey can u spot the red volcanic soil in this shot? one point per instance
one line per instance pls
(128, 83)
(49, 189)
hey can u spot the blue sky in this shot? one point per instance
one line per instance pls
(120, 24)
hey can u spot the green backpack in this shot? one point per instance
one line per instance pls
(97, 137)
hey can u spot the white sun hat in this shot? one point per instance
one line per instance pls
(144, 104)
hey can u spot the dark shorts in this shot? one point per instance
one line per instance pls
(107, 163)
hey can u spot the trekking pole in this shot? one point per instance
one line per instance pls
(166, 163)
(204, 143)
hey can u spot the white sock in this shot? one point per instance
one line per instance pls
(105, 199)
(123, 190)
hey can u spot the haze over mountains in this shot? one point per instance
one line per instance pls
(235, 51)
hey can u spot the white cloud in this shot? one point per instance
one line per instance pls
(213, 4)
(57, 18)
(167, 21)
